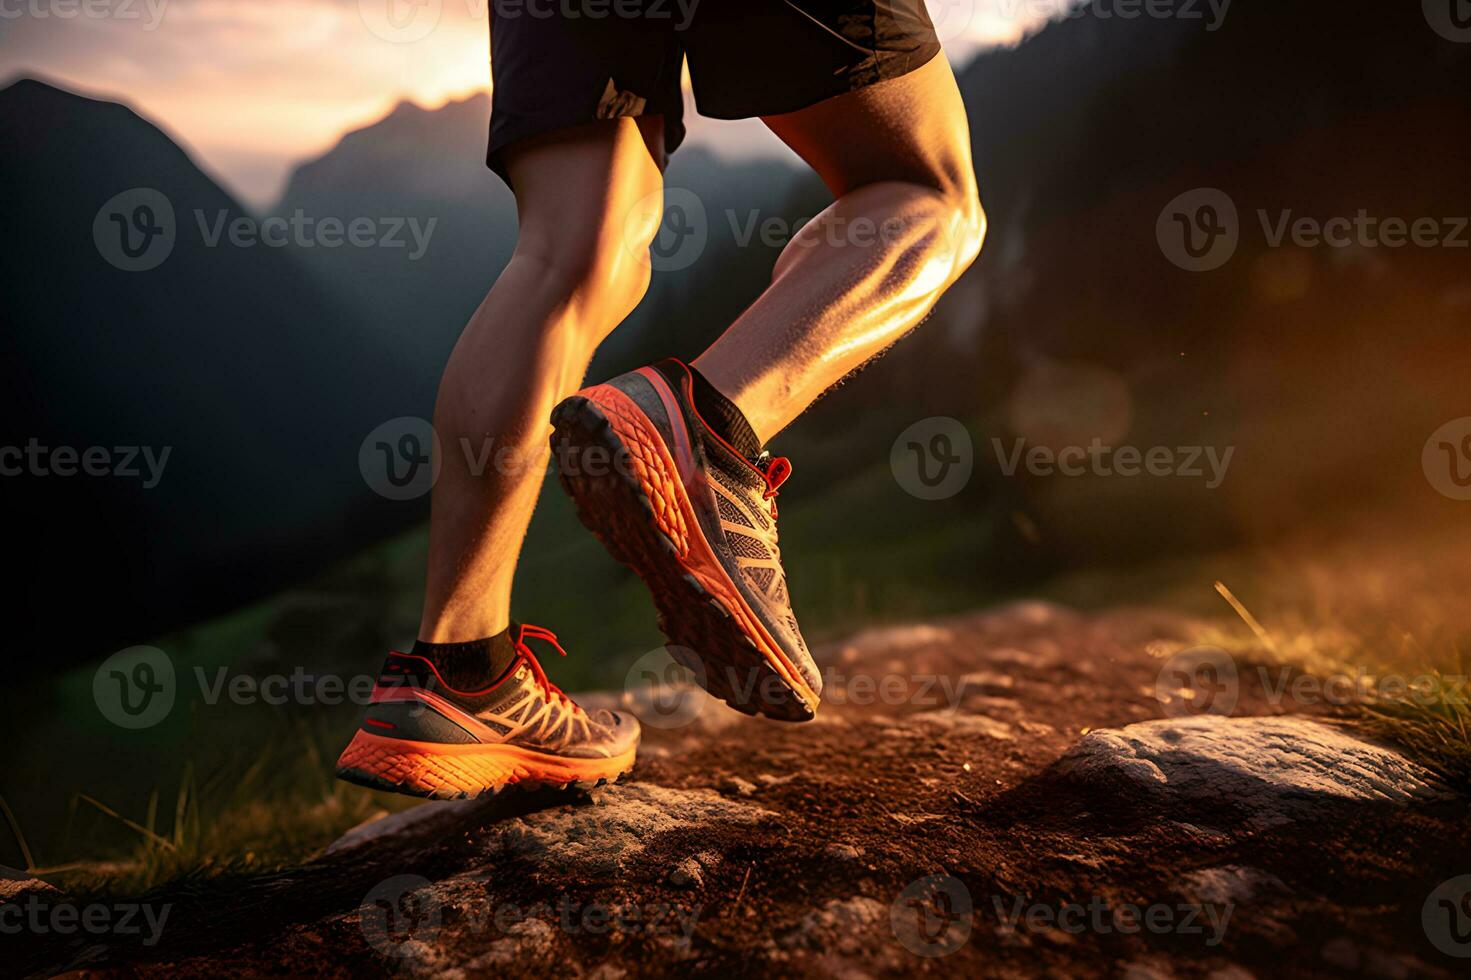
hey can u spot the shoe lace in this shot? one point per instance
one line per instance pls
(774, 470)
(538, 674)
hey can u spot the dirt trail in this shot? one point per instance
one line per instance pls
(959, 749)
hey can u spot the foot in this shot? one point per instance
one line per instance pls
(422, 737)
(697, 521)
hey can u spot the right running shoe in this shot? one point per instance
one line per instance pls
(696, 520)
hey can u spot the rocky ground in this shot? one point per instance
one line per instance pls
(1004, 794)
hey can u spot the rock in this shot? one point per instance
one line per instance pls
(1229, 885)
(967, 723)
(984, 680)
(737, 786)
(666, 706)
(15, 883)
(687, 874)
(885, 640)
(423, 818)
(840, 924)
(843, 852)
(602, 839)
(1275, 769)
(528, 940)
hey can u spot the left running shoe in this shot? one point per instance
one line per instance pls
(422, 737)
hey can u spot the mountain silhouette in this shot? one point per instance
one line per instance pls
(227, 357)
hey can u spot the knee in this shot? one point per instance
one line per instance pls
(965, 218)
(597, 285)
(595, 272)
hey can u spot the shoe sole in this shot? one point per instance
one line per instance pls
(442, 771)
(643, 516)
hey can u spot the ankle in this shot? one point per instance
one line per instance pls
(472, 664)
(723, 415)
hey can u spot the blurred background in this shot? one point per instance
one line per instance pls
(1152, 279)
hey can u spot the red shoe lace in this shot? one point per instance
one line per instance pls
(551, 690)
(775, 473)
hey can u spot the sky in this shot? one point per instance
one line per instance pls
(253, 87)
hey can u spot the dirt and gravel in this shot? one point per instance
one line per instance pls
(970, 800)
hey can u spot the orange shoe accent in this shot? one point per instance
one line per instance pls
(459, 771)
(674, 516)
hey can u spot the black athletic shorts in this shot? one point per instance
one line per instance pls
(560, 63)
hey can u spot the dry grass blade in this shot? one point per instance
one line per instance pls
(20, 838)
(130, 824)
(1246, 616)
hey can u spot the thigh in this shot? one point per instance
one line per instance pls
(912, 128)
(584, 191)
